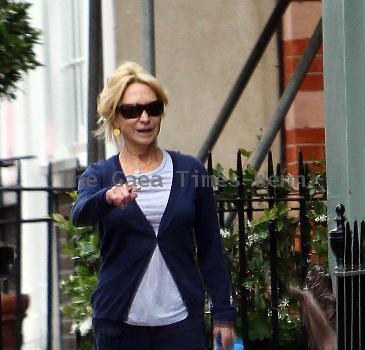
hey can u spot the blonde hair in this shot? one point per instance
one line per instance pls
(125, 75)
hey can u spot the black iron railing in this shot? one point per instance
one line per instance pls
(17, 222)
(6, 260)
(348, 246)
(244, 203)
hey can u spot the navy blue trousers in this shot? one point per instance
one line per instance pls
(188, 334)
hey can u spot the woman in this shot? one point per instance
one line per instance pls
(155, 213)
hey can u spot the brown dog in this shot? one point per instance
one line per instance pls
(318, 309)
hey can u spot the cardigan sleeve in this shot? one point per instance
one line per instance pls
(210, 252)
(91, 202)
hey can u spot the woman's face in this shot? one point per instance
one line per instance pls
(143, 130)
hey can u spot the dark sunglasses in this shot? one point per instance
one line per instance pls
(130, 111)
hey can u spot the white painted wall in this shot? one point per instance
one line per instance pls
(46, 120)
(109, 50)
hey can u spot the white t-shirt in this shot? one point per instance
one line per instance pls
(158, 301)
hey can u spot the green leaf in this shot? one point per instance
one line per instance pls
(58, 218)
(73, 195)
(218, 170)
(81, 270)
(245, 152)
(251, 170)
(259, 136)
(258, 327)
(82, 246)
(282, 209)
(232, 173)
(79, 300)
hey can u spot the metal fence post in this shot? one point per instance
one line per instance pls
(337, 243)
(362, 286)
(274, 287)
(303, 218)
(6, 259)
(242, 246)
(271, 187)
(348, 287)
(18, 254)
(50, 260)
(355, 290)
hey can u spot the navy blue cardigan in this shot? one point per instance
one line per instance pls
(128, 240)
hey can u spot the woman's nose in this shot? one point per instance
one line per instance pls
(144, 116)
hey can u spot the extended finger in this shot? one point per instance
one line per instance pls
(117, 195)
(121, 190)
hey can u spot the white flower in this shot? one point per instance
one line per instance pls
(321, 219)
(85, 326)
(225, 233)
(249, 224)
(73, 328)
(252, 239)
(89, 309)
(284, 303)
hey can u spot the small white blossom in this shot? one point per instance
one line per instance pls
(225, 233)
(321, 219)
(253, 238)
(89, 309)
(73, 328)
(85, 326)
(284, 303)
(249, 224)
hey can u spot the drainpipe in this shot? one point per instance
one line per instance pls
(149, 36)
(95, 148)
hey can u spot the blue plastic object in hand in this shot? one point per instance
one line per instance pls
(237, 345)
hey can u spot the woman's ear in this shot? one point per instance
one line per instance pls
(114, 122)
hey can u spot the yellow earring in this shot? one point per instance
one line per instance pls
(116, 132)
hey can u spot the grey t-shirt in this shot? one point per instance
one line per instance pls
(157, 302)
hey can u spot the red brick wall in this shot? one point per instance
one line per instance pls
(309, 140)
(304, 127)
(293, 50)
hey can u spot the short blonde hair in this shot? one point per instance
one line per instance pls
(125, 75)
